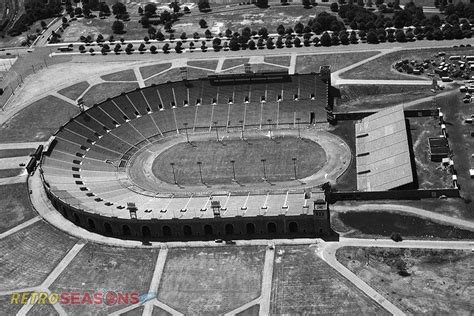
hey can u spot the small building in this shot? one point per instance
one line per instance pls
(439, 148)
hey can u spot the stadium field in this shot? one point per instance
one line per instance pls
(216, 166)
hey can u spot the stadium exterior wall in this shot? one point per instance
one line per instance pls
(393, 194)
(311, 225)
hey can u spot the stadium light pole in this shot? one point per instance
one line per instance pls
(186, 129)
(298, 120)
(264, 171)
(242, 131)
(200, 170)
(174, 174)
(233, 170)
(217, 130)
(294, 165)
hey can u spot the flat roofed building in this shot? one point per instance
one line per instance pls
(382, 153)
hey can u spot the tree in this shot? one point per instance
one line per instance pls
(203, 46)
(297, 42)
(372, 37)
(141, 48)
(204, 6)
(306, 4)
(252, 45)
(234, 44)
(104, 9)
(263, 32)
(344, 38)
(166, 48)
(400, 36)
(208, 34)
(334, 7)
(140, 10)
(118, 27)
(299, 27)
(150, 9)
(100, 38)
(270, 44)
(82, 48)
(262, 3)
(325, 39)
(153, 49)
(280, 29)
(203, 24)
(279, 42)
(353, 38)
(119, 8)
(78, 11)
(186, 10)
(288, 42)
(160, 36)
(175, 7)
(179, 47)
(43, 23)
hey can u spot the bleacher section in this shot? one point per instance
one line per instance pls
(87, 163)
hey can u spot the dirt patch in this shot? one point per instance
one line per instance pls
(434, 281)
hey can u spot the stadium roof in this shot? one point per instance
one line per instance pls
(382, 151)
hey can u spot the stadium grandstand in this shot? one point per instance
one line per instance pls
(84, 166)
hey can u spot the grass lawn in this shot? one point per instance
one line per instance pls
(211, 281)
(7, 153)
(16, 207)
(102, 91)
(73, 92)
(311, 63)
(139, 311)
(125, 75)
(438, 281)
(29, 255)
(7, 307)
(151, 70)
(247, 156)
(233, 62)
(381, 68)
(171, 75)
(303, 284)
(368, 97)
(372, 224)
(98, 268)
(36, 122)
(208, 64)
(7, 173)
(194, 73)
(251, 311)
(278, 60)
(430, 174)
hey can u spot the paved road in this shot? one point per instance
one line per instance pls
(407, 209)
(384, 82)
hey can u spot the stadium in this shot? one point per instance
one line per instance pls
(227, 156)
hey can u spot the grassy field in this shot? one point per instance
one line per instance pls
(438, 281)
(73, 92)
(7, 173)
(368, 97)
(373, 224)
(233, 62)
(139, 311)
(8, 153)
(151, 70)
(381, 68)
(311, 63)
(247, 156)
(7, 308)
(303, 284)
(102, 91)
(29, 255)
(430, 174)
(211, 281)
(104, 268)
(208, 64)
(278, 60)
(35, 122)
(170, 75)
(16, 206)
(125, 75)
(251, 311)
